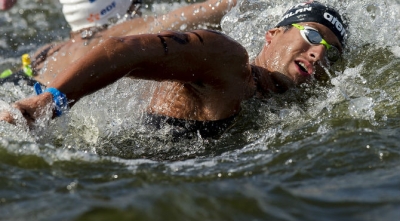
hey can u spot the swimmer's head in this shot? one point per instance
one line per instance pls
(90, 13)
(314, 11)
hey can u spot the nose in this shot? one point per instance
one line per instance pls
(316, 52)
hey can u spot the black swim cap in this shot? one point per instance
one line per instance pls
(314, 11)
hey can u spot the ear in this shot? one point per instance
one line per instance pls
(271, 34)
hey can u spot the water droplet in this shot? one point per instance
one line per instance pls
(183, 27)
(72, 186)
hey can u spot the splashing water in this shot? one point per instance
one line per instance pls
(326, 152)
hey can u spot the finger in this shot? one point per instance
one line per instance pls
(30, 119)
(7, 117)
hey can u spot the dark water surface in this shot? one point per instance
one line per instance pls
(329, 152)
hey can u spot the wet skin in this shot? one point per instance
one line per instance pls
(63, 54)
(285, 50)
(203, 75)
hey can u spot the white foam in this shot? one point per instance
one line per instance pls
(395, 50)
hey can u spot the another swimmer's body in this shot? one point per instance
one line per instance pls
(203, 75)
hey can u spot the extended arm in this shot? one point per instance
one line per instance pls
(201, 57)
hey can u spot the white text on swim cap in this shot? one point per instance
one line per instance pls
(335, 22)
(299, 5)
(296, 12)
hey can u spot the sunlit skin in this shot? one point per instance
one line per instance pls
(285, 49)
(202, 75)
(209, 12)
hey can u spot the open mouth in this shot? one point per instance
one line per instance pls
(303, 68)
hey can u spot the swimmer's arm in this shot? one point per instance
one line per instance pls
(206, 58)
(196, 57)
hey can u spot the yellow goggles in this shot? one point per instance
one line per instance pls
(313, 37)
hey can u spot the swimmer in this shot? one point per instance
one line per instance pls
(91, 24)
(203, 76)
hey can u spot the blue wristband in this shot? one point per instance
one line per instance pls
(59, 99)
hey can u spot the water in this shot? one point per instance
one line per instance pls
(328, 152)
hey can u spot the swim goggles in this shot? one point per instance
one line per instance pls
(313, 37)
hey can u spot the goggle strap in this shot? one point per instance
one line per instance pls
(300, 27)
(327, 45)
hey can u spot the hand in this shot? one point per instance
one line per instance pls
(7, 117)
(7, 4)
(31, 108)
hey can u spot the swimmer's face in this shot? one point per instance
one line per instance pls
(287, 52)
